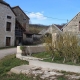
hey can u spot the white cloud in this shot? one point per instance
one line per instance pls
(37, 15)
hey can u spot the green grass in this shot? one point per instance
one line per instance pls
(14, 77)
(61, 78)
(7, 47)
(9, 62)
(60, 61)
(41, 55)
(56, 60)
(6, 64)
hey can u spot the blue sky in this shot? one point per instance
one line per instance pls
(48, 11)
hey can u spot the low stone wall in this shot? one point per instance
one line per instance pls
(32, 49)
(60, 67)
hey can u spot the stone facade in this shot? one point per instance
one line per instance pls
(73, 25)
(21, 17)
(5, 11)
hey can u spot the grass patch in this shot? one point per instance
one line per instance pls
(9, 62)
(7, 47)
(18, 77)
(61, 78)
(41, 55)
(47, 58)
(6, 64)
(60, 61)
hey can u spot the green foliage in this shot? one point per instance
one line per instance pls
(22, 48)
(66, 45)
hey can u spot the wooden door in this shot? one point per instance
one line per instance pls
(8, 39)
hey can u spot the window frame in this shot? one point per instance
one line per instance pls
(9, 17)
(8, 26)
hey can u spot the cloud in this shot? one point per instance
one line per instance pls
(37, 15)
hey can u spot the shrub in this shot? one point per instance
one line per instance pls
(23, 48)
(66, 45)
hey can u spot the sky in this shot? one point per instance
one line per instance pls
(48, 12)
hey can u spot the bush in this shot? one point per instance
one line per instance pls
(23, 48)
(66, 45)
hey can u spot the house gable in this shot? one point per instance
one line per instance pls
(22, 18)
(17, 7)
(73, 25)
(6, 4)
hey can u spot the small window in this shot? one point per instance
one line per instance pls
(8, 17)
(8, 26)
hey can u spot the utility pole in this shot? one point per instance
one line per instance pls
(67, 20)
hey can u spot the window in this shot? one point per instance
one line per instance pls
(8, 17)
(8, 26)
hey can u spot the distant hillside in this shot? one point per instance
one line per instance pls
(36, 28)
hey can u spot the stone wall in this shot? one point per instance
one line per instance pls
(32, 49)
(4, 12)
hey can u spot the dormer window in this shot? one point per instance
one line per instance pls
(8, 17)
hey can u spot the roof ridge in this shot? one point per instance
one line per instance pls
(71, 20)
(3, 2)
(21, 10)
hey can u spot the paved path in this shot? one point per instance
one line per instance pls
(5, 52)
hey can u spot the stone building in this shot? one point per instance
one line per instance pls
(73, 25)
(14, 23)
(23, 19)
(7, 25)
